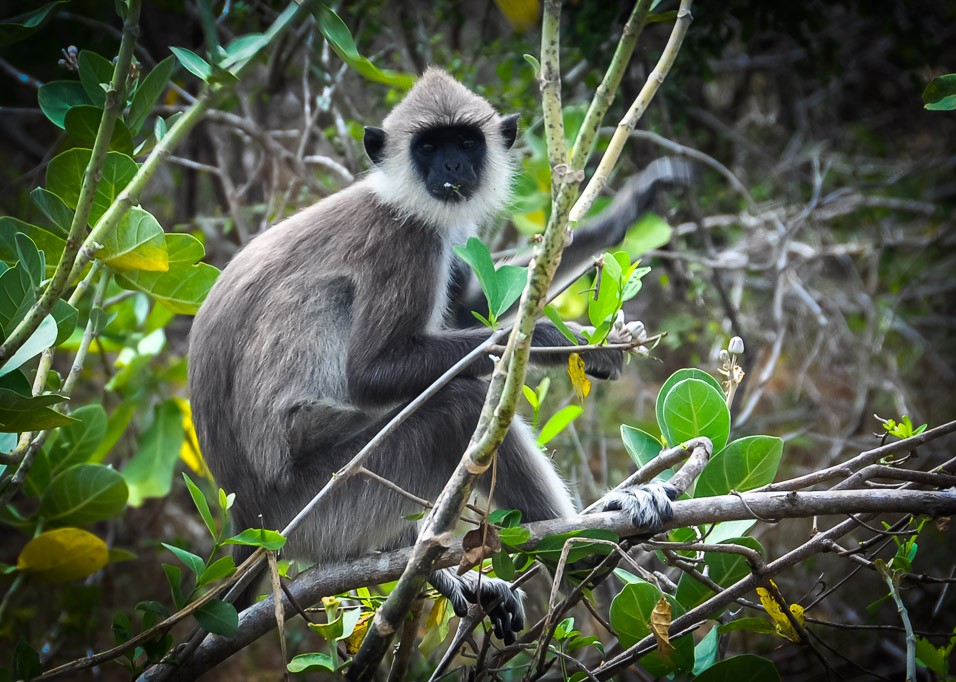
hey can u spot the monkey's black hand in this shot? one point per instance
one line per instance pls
(649, 506)
(502, 604)
(603, 364)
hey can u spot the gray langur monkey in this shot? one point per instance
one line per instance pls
(323, 327)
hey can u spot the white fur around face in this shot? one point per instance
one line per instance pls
(397, 185)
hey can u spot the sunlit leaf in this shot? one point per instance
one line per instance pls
(64, 177)
(579, 380)
(62, 555)
(137, 243)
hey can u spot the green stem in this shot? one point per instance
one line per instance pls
(115, 102)
(550, 83)
(637, 109)
(604, 95)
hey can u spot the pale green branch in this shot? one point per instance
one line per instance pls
(637, 109)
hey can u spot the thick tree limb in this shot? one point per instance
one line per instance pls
(258, 620)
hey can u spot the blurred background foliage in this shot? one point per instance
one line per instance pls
(833, 258)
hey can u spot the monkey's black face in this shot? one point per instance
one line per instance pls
(449, 160)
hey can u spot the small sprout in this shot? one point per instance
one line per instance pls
(736, 346)
(724, 357)
(70, 56)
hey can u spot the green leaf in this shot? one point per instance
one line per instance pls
(191, 561)
(49, 243)
(30, 258)
(183, 249)
(753, 624)
(201, 505)
(76, 442)
(744, 668)
(634, 283)
(693, 408)
(553, 315)
(706, 651)
(533, 61)
(115, 428)
(73, 445)
(217, 570)
(52, 206)
(648, 233)
(504, 566)
(150, 472)
(174, 576)
(19, 414)
(218, 617)
(675, 379)
(630, 615)
(148, 93)
(57, 97)
(16, 296)
(242, 49)
(137, 243)
(340, 40)
(26, 661)
(257, 537)
(514, 537)
(558, 422)
(95, 73)
(509, 283)
(82, 123)
(42, 338)
(65, 316)
(20, 27)
(745, 464)
(549, 549)
(932, 657)
(84, 494)
(193, 63)
(609, 293)
(941, 92)
(640, 445)
(307, 663)
(181, 289)
(64, 176)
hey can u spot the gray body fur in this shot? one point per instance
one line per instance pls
(324, 326)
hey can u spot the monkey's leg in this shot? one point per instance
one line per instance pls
(362, 515)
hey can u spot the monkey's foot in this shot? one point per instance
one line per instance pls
(649, 506)
(502, 604)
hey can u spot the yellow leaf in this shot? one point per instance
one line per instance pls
(660, 623)
(774, 609)
(521, 14)
(579, 380)
(354, 641)
(62, 555)
(189, 452)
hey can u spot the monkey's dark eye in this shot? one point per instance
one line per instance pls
(468, 143)
(427, 147)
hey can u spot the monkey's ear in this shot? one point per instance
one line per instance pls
(509, 129)
(375, 144)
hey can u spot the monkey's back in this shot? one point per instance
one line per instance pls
(273, 331)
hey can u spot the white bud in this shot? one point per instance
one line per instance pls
(736, 346)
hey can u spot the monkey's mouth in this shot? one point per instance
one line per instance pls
(450, 191)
